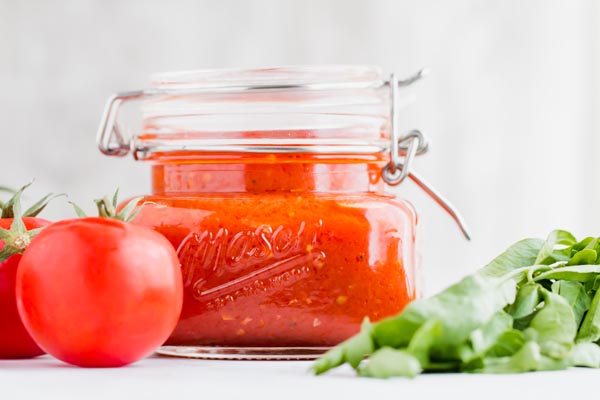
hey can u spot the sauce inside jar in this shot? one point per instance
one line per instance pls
(282, 250)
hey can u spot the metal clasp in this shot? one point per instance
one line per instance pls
(112, 139)
(404, 148)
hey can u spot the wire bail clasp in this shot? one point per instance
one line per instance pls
(403, 150)
(398, 169)
(111, 137)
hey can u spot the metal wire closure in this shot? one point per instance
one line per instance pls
(410, 144)
(403, 150)
(113, 141)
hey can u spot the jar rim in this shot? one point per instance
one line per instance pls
(287, 77)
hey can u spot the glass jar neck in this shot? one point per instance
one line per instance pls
(285, 173)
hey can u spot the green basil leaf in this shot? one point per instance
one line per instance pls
(555, 326)
(590, 327)
(443, 366)
(462, 307)
(528, 358)
(484, 338)
(528, 298)
(576, 295)
(351, 351)
(592, 285)
(523, 323)
(585, 355)
(549, 253)
(507, 344)
(387, 362)
(579, 273)
(583, 257)
(587, 243)
(521, 254)
(360, 345)
(424, 339)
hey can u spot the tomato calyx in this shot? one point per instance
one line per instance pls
(108, 208)
(7, 208)
(17, 238)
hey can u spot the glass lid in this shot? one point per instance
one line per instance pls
(328, 76)
(295, 109)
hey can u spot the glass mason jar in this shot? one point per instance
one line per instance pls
(271, 185)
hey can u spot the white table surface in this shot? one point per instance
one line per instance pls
(168, 378)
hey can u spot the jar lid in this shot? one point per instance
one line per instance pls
(301, 77)
(302, 109)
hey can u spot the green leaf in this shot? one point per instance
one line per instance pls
(523, 323)
(443, 366)
(579, 273)
(484, 338)
(507, 344)
(331, 359)
(519, 313)
(590, 327)
(78, 210)
(115, 198)
(424, 339)
(107, 208)
(582, 257)
(17, 238)
(528, 298)
(130, 211)
(587, 243)
(17, 224)
(549, 253)
(555, 326)
(8, 207)
(585, 355)
(387, 362)
(7, 252)
(39, 206)
(7, 189)
(528, 358)
(462, 307)
(521, 254)
(360, 345)
(351, 351)
(576, 295)
(460, 310)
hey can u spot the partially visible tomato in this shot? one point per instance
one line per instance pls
(98, 292)
(15, 342)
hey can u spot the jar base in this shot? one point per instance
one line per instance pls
(243, 353)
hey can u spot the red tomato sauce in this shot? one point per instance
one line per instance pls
(284, 253)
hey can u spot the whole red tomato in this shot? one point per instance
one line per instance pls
(15, 342)
(98, 292)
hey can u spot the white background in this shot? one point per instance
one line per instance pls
(510, 106)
